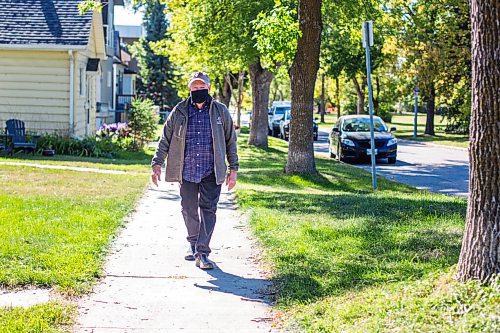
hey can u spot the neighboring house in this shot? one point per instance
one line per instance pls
(50, 65)
(106, 101)
(126, 70)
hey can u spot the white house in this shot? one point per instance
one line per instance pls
(50, 65)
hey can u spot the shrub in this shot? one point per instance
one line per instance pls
(87, 147)
(119, 133)
(143, 122)
(385, 112)
(115, 130)
(458, 113)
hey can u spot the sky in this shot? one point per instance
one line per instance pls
(125, 16)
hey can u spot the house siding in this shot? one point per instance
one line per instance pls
(85, 125)
(34, 88)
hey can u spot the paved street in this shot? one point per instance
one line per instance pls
(435, 168)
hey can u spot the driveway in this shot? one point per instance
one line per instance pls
(435, 168)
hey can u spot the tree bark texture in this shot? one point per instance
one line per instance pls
(479, 258)
(431, 110)
(360, 92)
(322, 110)
(303, 78)
(376, 99)
(225, 91)
(261, 82)
(239, 100)
(238, 97)
(337, 94)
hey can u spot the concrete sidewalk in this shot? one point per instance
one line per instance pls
(149, 287)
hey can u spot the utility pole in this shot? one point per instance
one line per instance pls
(367, 42)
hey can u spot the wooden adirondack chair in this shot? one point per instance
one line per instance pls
(15, 128)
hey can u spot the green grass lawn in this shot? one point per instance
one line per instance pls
(134, 162)
(44, 318)
(349, 260)
(56, 227)
(404, 125)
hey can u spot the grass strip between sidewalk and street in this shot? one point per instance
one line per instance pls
(349, 260)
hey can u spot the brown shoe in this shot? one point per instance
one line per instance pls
(203, 262)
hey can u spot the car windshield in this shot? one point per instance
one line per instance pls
(281, 110)
(363, 125)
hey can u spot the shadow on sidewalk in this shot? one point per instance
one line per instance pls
(252, 290)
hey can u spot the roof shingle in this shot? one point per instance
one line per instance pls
(53, 22)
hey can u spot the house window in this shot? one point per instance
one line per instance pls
(82, 81)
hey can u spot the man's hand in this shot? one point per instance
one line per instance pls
(231, 179)
(156, 174)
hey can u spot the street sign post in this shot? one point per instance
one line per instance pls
(367, 42)
(415, 91)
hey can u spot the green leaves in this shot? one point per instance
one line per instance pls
(89, 5)
(143, 121)
(158, 76)
(276, 35)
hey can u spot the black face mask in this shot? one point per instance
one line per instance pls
(199, 96)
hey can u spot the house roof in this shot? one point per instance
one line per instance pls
(43, 22)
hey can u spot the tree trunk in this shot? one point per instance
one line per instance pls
(239, 96)
(322, 111)
(303, 77)
(479, 258)
(337, 94)
(239, 100)
(261, 82)
(225, 91)
(360, 92)
(376, 103)
(431, 104)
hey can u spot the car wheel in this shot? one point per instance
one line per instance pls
(391, 160)
(275, 133)
(286, 137)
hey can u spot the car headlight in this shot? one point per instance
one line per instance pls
(348, 142)
(392, 142)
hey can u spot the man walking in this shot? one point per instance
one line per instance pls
(197, 138)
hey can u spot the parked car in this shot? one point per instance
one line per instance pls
(276, 113)
(350, 139)
(284, 131)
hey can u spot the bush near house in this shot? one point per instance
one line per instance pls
(109, 138)
(143, 122)
(86, 147)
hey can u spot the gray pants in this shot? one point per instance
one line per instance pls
(203, 198)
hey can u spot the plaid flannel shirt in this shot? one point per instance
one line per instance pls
(199, 152)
